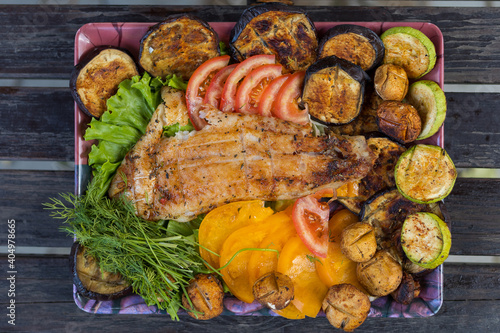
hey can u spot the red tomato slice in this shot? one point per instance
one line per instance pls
(251, 88)
(214, 90)
(227, 101)
(286, 106)
(269, 95)
(310, 217)
(197, 85)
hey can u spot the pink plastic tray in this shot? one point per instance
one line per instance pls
(128, 36)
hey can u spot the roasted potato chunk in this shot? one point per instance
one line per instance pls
(381, 275)
(205, 297)
(399, 120)
(178, 45)
(358, 242)
(391, 82)
(274, 290)
(346, 307)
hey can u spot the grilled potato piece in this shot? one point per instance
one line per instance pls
(334, 90)
(381, 275)
(354, 43)
(391, 82)
(206, 296)
(346, 307)
(380, 178)
(178, 45)
(97, 76)
(399, 120)
(276, 29)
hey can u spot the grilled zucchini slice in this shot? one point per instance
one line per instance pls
(278, 29)
(429, 100)
(409, 48)
(178, 45)
(334, 90)
(426, 239)
(354, 43)
(425, 174)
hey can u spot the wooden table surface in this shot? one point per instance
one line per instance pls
(37, 124)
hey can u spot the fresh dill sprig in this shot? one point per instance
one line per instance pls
(156, 261)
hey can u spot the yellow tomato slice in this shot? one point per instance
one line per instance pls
(290, 312)
(336, 268)
(263, 262)
(221, 222)
(235, 274)
(297, 262)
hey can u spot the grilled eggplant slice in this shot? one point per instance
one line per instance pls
(276, 29)
(354, 43)
(97, 76)
(93, 283)
(386, 212)
(366, 122)
(380, 178)
(178, 45)
(407, 290)
(334, 90)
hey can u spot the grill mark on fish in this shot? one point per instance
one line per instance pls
(235, 157)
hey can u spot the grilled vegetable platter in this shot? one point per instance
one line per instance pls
(311, 238)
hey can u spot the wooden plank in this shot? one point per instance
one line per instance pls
(44, 34)
(474, 215)
(475, 212)
(44, 290)
(23, 193)
(36, 123)
(471, 132)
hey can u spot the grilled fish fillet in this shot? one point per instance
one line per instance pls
(235, 157)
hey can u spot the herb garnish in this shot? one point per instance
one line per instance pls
(156, 260)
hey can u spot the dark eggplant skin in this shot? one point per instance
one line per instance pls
(91, 93)
(117, 285)
(178, 45)
(355, 51)
(347, 105)
(275, 28)
(386, 212)
(381, 176)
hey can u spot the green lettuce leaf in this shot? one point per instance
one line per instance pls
(118, 129)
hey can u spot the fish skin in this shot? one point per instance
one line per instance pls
(235, 157)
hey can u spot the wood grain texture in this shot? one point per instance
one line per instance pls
(23, 193)
(474, 216)
(44, 35)
(44, 290)
(36, 123)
